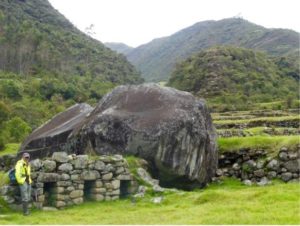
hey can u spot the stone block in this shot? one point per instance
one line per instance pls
(116, 197)
(97, 197)
(259, 173)
(80, 186)
(76, 194)
(286, 176)
(47, 177)
(120, 170)
(41, 198)
(77, 201)
(98, 184)
(99, 165)
(49, 166)
(99, 190)
(70, 188)
(90, 175)
(64, 183)
(39, 191)
(59, 190)
(61, 157)
(60, 197)
(66, 167)
(273, 165)
(283, 156)
(109, 168)
(115, 184)
(60, 204)
(35, 164)
(80, 162)
(39, 185)
(75, 177)
(124, 177)
(107, 176)
(271, 174)
(293, 166)
(64, 176)
(115, 192)
(108, 185)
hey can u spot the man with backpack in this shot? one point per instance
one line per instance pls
(22, 173)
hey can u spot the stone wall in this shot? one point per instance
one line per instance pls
(64, 180)
(270, 131)
(288, 123)
(255, 166)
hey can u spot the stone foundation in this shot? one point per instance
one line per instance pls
(254, 166)
(64, 180)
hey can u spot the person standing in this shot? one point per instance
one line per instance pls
(24, 181)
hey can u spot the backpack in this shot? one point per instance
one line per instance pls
(12, 176)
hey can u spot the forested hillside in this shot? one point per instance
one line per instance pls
(119, 47)
(237, 76)
(46, 65)
(157, 59)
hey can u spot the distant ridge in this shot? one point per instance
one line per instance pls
(119, 47)
(157, 59)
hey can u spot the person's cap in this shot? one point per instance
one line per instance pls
(26, 155)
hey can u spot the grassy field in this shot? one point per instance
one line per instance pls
(271, 144)
(226, 203)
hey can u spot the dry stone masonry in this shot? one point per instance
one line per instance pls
(65, 180)
(255, 166)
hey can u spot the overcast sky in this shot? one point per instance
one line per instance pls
(135, 22)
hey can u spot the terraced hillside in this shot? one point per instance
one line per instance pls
(258, 129)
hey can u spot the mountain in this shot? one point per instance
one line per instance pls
(119, 47)
(237, 76)
(47, 65)
(157, 58)
(35, 38)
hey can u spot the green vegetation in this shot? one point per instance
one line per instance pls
(47, 65)
(37, 39)
(232, 78)
(10, 149)
(270, 144)
(226, 203)
(157, 59)
(3, 178)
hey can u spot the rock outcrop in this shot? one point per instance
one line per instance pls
(169, 128)
(53, 135)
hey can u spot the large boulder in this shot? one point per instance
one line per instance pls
(169, 128)
(53, 135)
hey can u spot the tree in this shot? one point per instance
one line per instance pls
(16, 129)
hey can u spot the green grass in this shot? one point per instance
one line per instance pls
(271, 144)
(227, 203)
(264, 119)
(10, 149)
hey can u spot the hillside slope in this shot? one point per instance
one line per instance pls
(35, 38)
(157, 58)
(232, 73)
(119, 47)
(47, 65)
